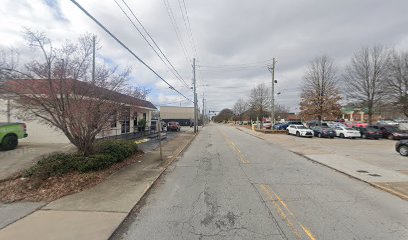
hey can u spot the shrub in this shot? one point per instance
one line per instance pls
(95, 163)
(106, 154)
(120, 150)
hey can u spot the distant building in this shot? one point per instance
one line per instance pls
(182, 115)
(357, 114)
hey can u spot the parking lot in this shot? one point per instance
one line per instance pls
(380, 152)
(26, 155)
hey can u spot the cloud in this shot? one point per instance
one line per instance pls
(228, 32)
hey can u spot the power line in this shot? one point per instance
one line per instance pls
(192, 40)
(240, 65)
(176, 29)
(127, 48)
(177, 74)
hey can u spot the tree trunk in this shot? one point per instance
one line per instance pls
(370, 115)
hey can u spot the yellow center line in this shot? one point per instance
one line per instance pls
(281, 212)
(234, 147)
(266, 189)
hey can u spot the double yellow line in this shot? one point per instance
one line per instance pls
(286, 214)
(297, 228)
(234, 148)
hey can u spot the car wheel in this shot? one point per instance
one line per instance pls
(390, 137)
(298, 134)
(287, 132)
(403, 150)
(364, 136)
(342, 135)
(319, 135)
(9, 142)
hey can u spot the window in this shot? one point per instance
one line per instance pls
(144, 116)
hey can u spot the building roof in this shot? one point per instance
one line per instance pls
(71, 86)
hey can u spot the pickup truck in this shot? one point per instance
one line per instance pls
(10, 133)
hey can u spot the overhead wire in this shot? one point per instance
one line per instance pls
(188, 26)
(127, 48)
(176, 29)
(172, 68)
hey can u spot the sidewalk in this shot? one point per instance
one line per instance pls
(96, 212)
(385, 178)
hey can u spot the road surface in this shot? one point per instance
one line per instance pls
(231, 185)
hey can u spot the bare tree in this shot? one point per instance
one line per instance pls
(320, 96)
(138, 92)
(9, 58)
(225, 115)
(365, 78)
(397, 84)
(239, 108)
(281, 111)
(259, 100)
(51, 91)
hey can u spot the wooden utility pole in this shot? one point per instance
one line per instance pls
(272, 70)
(195, 96)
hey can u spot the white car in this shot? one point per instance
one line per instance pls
(346, 132)
(300, 130)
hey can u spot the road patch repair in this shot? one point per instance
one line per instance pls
(394, 182)
(95, 213)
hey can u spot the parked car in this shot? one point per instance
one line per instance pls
(267, 124)
(153, 125)
(392, 132)
(388, 122)
(300, 131)
(285, 125)
(370, 132)
(323, 131)
(10, 133)
(316, 123)
(173, 126)
(347, 132)
(402, 147)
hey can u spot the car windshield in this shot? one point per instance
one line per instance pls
(301, 127)
(349, 129)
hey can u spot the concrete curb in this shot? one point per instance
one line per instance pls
(153, 182)
(391, 191)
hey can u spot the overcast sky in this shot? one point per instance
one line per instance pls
(233, 40)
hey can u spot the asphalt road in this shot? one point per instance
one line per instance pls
(231, 185)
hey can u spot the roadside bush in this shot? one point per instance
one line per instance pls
(105, 155)
(120, 150)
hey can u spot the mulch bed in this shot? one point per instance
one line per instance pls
(18, 188)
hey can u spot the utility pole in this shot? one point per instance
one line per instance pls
(195, 96)
(272, 70)
(202, 116)
(93, 58)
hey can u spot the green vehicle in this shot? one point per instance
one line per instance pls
(10, 133)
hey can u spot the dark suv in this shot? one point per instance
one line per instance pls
(393, 132)
(323, 131)
(372, 132)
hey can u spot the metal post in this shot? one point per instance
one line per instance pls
(195, 97)
(159, 134)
